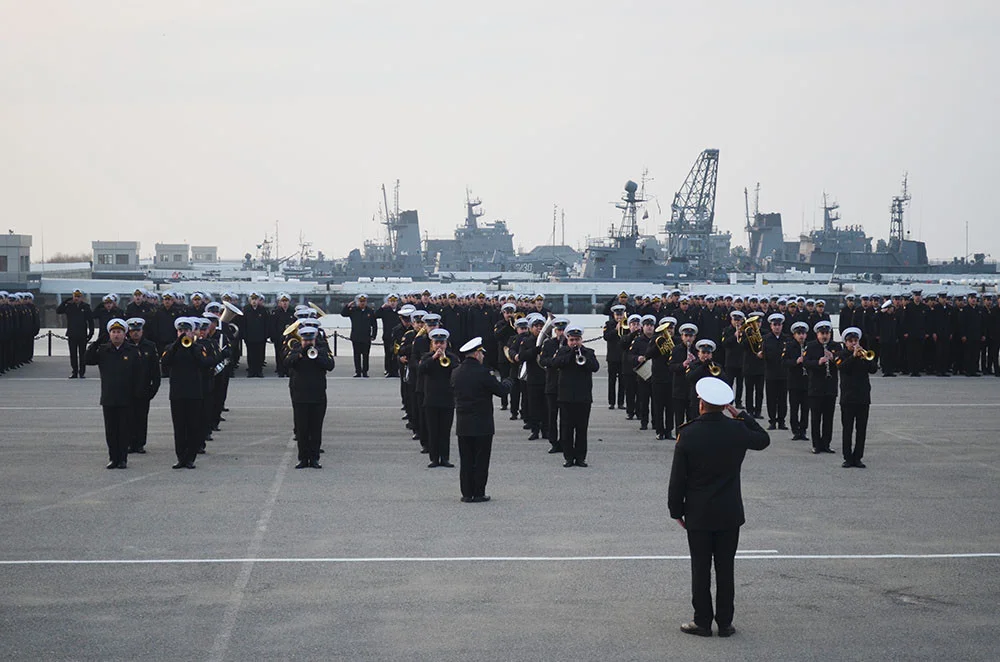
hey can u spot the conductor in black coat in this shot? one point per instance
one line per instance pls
(79, 330)
(704, 496)
(576, 365)
(474, 387)
(435, 369)
(119, 366)
(364, 330)
(307, 366)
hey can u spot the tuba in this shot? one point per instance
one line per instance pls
(665, 342)
(751, 328)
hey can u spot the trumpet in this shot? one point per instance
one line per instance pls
(312, 353)
(580, 358)
(186, 341)
(714, 369)
(444, 361)
(866, 354)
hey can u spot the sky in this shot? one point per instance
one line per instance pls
(207, 122)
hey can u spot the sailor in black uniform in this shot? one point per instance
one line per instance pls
(855, 395)
(307, 366)
(821, 364)
(576, 365)
(436, 366)
(147, 384)
(79, 330)
(118, 363)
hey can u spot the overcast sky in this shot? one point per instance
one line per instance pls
(204, 122)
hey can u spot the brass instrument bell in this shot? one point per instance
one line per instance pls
(186, 341)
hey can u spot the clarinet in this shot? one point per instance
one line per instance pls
(827, 364)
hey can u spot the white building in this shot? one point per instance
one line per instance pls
(15, 260)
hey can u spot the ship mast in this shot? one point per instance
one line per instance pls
(896, 217)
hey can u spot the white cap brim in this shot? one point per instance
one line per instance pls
(714, 391)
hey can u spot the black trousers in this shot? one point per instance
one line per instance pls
(474, 458)
(662, 399)
(279, 356)
(754, 393)
(798, 416)
(361, 353)
(854, 417)
(616, 390)
(140, 423)
(777, 400)
(737, 376)
(821, 410)
(629, 380)
(413, 408)
(421, 427)
(439, 420)
(221, 391)
(186, 417)
(515, 392)
(207, 414)
(573, 436)
(118, 432)
(915, 354)
(553, 410)
(971, 347)
(680, 412)
(255, 358)
(889, 358)
(308, 418)
(535, 413)
(643, 395)
(992, 354)
(77, 348)
(708, 548)
(388, 358)
(503, 369)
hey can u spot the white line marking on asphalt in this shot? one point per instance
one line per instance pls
(751, 555)
(221, 644)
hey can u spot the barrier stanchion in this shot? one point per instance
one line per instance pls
(49, 334)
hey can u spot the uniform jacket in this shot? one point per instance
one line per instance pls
(148, 382)
(119, 372)
(798, 377)
(680, 389)
(614, 352)
(576, 382)
(307, 377)
(79, 319)
(254, 324)
(855, 388)
(186, 366)
(820, 384)
(474, 387)
(364, 325)
(705, 477)
(437, 380)
(662, 374)
(774, 348)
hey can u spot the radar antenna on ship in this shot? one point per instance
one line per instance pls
(899, 204)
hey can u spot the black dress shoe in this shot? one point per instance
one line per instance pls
(782, 426)
(216, 429)
(140, 450)
(534, 435)
(467, 499)
(726, 630)
(526, 426)
(554, 450)
(302, 464)
(847, 464)
(859, 464)
(630, 417)
(82, 376)
(569, 463)
(503, 407)
(772, 426)
(611, 406)
(816, 451)
(829, 450)
(357, 374)
(694, 628)
(643, 427)
(225, 409)
(322, 451)
(425, 451)
(481, 499)
(123, 465)
(581, 463)
(112, 465)
(513, 416)
(189, 465)
(433, 464)
(660, 436)
(74, 376)
(314, 464)
(447, 465)
(178, 465)
(222, 420)
(415, 437)
(201, 451)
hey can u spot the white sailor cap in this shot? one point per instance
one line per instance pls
(196, 295)
(432, 318)
(539, 297)
(406, 310)
(135, 323)
(820, 302)
(439, 334)
(887, 304)
(560, 322)
(283, 296)
(852, 331)
(117, 322)
(303, 313)
(737, 298)
(710, 298)
(737, 313)
(849, 297)
(535, 318)
(183, 324)
(255, 295)
(473, 345)
(361, 296)
(822, 325)
(392, 296)
(689, 328)
(685, 298)
(307, 332)
(618, 308)
(782, 300)
(755, 313)
(418, 314)
(634, 318)
(667, 320)
(214, 307)
(648, 319)
(522, 321)
(809, 301)
(574, 330)
(705, 344)
(28, 295)
(775, 317)
(714, 391)
(109, 297)
(310, 323)
(210, 315)
(4, 294)
(800, 326)
(508, 306)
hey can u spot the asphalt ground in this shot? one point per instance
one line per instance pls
(375, 558)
